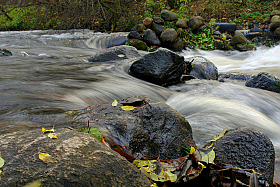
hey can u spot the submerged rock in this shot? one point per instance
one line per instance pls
(162, 67)
(81, 161)
(264, 81)
(5, 52)
(247, 148)
(115, 53)
(151, 130)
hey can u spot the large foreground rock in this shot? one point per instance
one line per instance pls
(153, 129)
(81, 161)
(247, 148)
(115, 53)
(162, 67)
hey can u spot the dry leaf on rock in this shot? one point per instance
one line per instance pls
(45, 157)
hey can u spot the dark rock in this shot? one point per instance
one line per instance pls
(252, 35)
(202, 68)
(241, 47)
(275, 18)
(112, 54)
(275, 12)
(162, 67)
(147, 131)
(181, 32)
(195, 23)
(139, 28)
(150, 37)
(255, 30)
(221, 45)
(268, 36)
(276, 33)
(158, 20)
(168, 15)
(81, 161)
(148, 22)
(157, 28)
(247, 148)
(178, 45)
(5, 52)
(237, 40)
(134, 35)
(274, 26)
(226, 27)
(182, 23)
(168, 36)
(264, 81)
(138, 44)
(234, 76)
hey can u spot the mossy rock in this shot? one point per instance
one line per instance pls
(238, 40)
(139, 28)
(219, 44)
(138, 44)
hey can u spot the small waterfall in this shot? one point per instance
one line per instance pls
(103, 41)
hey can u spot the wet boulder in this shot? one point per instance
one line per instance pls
(81, 161)
(274, 26)
(115, 53)
(5, 52)
(138, 44)
(162, 67)
(264, 81)
(148, 22)
(168, 15)
(195, 23)
(150, 130)
(202, 68)
(134, 35)
(247, 148)
(149, 36)
(157, 28)
(168, 36)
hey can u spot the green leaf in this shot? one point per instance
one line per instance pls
(209, 157)
(93, 131)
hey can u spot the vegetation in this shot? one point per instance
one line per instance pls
(122, 15)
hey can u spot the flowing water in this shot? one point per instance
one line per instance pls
(49, 74)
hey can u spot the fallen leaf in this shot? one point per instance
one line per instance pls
(70, 112)
(115, 103)
(36, 183)
(2, 162)
(93, 131)
(209, 157)
(53, 136)
(128, 108)
(192, 150)
(45, 157)
(121, 55)
(44, 130)
(215, 138)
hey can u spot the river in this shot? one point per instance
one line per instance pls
(49, 74)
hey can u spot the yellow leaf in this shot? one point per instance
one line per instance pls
(209, 157)
(215, 138)
(128, 108)
(192, 150)
(2, 162)
(121, 55)
(115, 103)
(45, 157)
(154, 185)
(53, 136)
(36, 183)
(44, 130)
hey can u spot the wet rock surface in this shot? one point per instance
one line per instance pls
(153, 129)
(113, 54)
(264, 81)
(81, 161)
(162, 67)
(247, 148)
